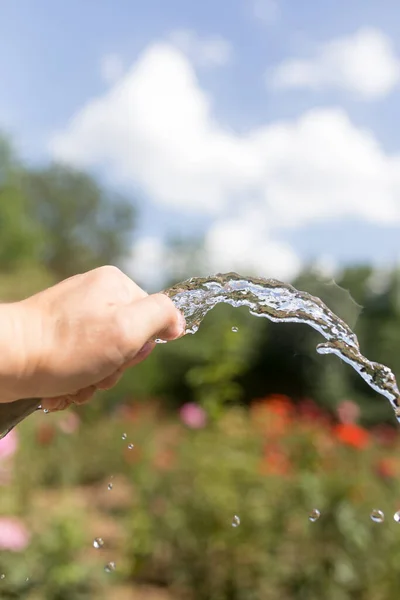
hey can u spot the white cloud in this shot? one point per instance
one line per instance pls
(244, 244)
(147, 262)
(111, 68)
(364, 64)
(212, 51)
(241, 244)
(155, 129)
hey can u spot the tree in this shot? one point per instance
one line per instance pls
(19, 233)
(82, 225)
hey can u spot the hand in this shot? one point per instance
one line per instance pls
(81, 334)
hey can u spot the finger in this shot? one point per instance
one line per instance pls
(109, 382)
(55, 404)
(147, 319)
(83, 395)
(140, 356)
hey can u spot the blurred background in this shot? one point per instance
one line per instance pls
(176, 139)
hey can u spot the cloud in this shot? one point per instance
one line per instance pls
(212, 51)
(155, 129)
(147, 262)
(364, 64)
(245, 245)
(111, 68)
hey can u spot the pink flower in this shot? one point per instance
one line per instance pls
(8, 445)
(348, 412)
(69, 423)
(13, 534)
(193, 415)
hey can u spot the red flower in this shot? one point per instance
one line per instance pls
(387, 468)
(279, 404)
(310, 413)
(275, 461)
(386, 435)
(351, 434)
(273, 414)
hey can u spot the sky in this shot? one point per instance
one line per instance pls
(268, 127)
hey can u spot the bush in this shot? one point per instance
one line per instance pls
(170, 517)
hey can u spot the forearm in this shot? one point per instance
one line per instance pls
(14, 353)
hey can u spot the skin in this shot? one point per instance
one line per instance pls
(80, 336)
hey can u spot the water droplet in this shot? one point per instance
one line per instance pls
(396, 516)
(314, 515)
(110, 486)
(235, 329)
(131, 446)
(124, 436)
(2, 576)
(98, 543)
(235, 521)
(377, 516)
(110, 567)
(46, 410)
(160, 341)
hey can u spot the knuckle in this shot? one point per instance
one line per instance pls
(109, 272)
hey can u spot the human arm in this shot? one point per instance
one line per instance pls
(79, 336)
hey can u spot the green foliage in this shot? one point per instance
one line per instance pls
(51, 567)
(83, 226)
(19, 235)
(181, 532)
(176, 493)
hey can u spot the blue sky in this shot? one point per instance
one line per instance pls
(241, 59)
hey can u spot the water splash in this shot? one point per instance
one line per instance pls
(282, 303)
(110, 567)
(314, 515)
(235, 521)
(377, 516)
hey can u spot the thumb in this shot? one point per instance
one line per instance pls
(149, 318)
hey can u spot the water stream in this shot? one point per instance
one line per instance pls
(282, 303)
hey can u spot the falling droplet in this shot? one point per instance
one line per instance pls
(130, 446)
(46, 410)
(2, 576)
(235, 329)
(235, 521)
(396, 516)
(110, 567)
(124, 436)
(377, 516)
(314, 515)
(110, 486)
(160, 341)
(98, 543)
